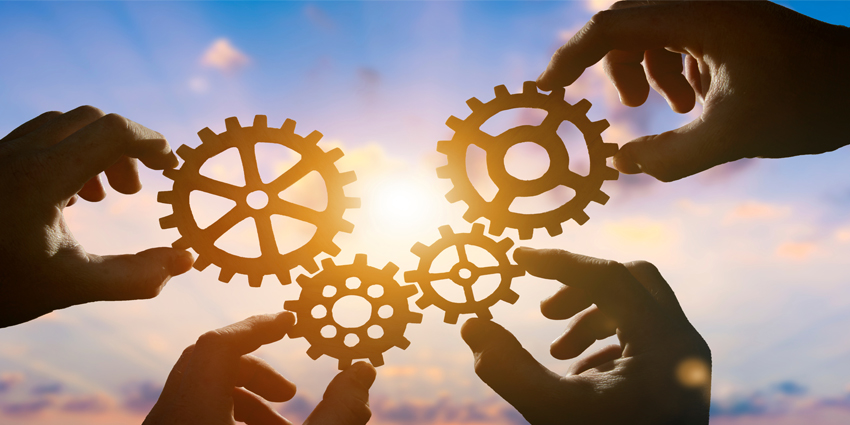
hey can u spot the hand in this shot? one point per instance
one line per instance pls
(659, 374)
(217, 382)
(772, 81)
(44, 164)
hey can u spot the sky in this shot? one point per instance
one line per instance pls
(756, 250)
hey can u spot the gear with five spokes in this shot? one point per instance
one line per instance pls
(271, 261)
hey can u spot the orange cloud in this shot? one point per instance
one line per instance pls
(798, 251)
(754, 210)
(223, 56)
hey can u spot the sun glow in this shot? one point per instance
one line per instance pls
(401, 206)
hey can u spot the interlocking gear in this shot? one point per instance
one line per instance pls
(389, 311)
(465, 273)
(468, 132)
(188, 178)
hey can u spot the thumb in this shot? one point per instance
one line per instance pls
(132, 276)
(511, 371)
(346, 400)
(675, 154)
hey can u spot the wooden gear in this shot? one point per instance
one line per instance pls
(313, 293)
(425, 278)
(188, 178)
(468, 132)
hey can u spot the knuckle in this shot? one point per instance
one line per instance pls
(89, 111)
(642, 267)
(210, 340)
(600, 21)
(115, 122)
(360, 412)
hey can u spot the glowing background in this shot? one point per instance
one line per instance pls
(757, 251)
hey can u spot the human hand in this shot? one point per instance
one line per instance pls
(772, 81)
(44, 165)
(659, 374)
(217, 382)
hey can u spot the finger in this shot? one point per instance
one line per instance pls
(649, 276)
(73, 200)
(171, 391)
(598, 360)
(608, 283)
(346, 400)
(630, 29)
(628, 76)
(252, 410)
(511, 371)
(31, 125)
(565, 303)
(664, 69)
(64, 125)
(584, 329)
(101, 144)
(123, 176)
(260, 378)
(93, 191)
(131, 276)
(695, 77)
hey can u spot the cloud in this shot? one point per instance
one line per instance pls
(90, 403)
(141, 396)
(26, 408)
(798, 251)
(8, 380)
(222, 55)
(843, 235)
(754, 210)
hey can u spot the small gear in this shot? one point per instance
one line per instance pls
(465, 273)
(188, 178)
(390, 311)
(468, 132)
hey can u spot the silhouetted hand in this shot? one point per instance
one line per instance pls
(659, 374)
(772, 81)
(44, 164)
(217, 382)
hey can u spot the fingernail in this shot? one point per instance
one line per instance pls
(181, 262)
(364, 373)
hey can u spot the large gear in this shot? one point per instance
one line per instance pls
(188, 178)
(333, 283)
(468, 132)
(425, 278)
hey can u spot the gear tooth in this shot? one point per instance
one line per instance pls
(310, 266)
(171, 173)
(332, 249)
(580, 217)
(407, 291)
(295, 332)
(185, 152)
(451, 317)
(454, 195)
(390, 269)
(347, 177)
(346, 226)
(501, 91)
(288, 126)
(377, 360)
(599, 126)
(314, 352)
(168, 222)
(232, 124)
(558, 93)
(351, 203)
(313, 137)
(496, 229)
(284, 278)
(291, 305)
(303, 280)
(261, 121)
(414, 317)
(423, 302)
(334, 154)
(444, 172)
(225, 275)
(255, 280)
(446, 231)
(208, 136)
(529, 87)
(361, 260)
(444, 146)
(403, 343)
(201, 263)
(609, 149)
(554, 229)
(328, 263)
(410, 276)
(477, 228)
(419, 249)
(505, 244)
(582, 107)
(471, 214)
(344, 364)
(526, 233)
(510, 296)
(600, 197)
(484, 314)
(167, 197)
(454, 123)
(474, 103)
(181, 243)
(610, 174)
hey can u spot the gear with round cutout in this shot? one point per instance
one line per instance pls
(314, 311)
(188, 178)
(468, 132)
(476, 237)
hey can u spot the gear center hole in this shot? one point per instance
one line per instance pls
(527, 161)
(257, 199)
(351, 311)
(464, 273)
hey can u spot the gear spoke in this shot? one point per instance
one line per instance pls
(441, 276)
(249, 165)
(298, 212)
(218, 188)
(268, 245)
(502, 200)
(223, 224)
(468, 294)
(571, 179)
(461, 253)
(490, 270)
(480, 138)
(291, 176)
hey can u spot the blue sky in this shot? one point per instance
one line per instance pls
(757, 250)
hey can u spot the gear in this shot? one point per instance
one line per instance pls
(377, 286)
(468, 132)
(424, 277)
(188, 178)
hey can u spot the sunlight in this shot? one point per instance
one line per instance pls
(400, 206)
